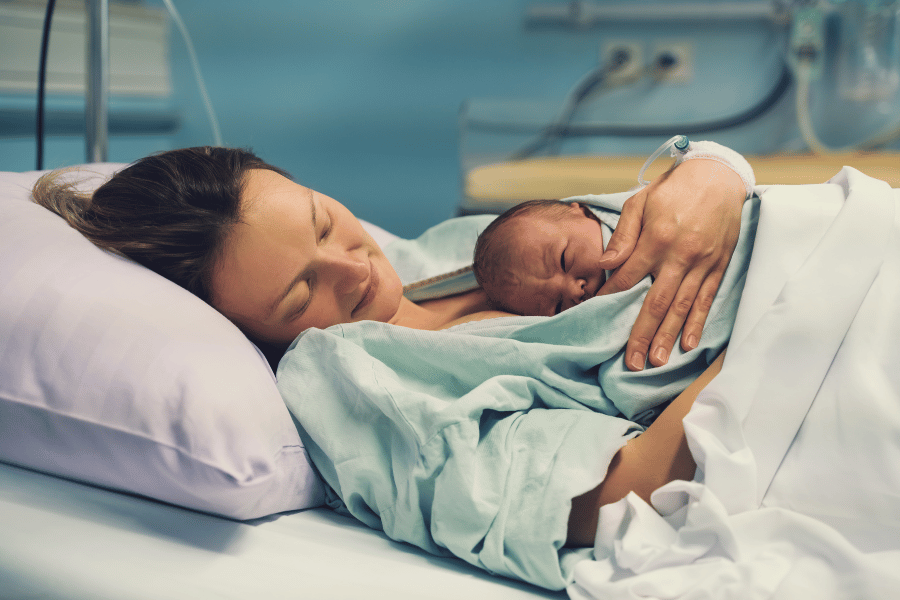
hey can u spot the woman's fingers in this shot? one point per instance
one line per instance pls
(665, 315)
(675, 318)
(628, 275)
(654, 309)
(624, 238)
(696, 321)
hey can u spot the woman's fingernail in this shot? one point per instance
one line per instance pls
(637, 361)
(661, 355)
(692, 341)
(609, 255)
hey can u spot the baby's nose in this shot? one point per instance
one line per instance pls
(577, 291)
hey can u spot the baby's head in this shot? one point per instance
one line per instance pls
(540, 257)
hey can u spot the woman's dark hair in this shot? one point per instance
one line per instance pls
(170, 212)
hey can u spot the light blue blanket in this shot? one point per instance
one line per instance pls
(473, 441)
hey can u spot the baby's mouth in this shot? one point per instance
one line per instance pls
(591, 290)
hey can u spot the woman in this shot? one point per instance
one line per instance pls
(279, 259)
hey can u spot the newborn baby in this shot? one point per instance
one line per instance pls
(540, 257)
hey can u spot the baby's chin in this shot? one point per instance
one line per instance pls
(502, 303)
(526, 311)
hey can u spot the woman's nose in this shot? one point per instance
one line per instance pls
(347, 270)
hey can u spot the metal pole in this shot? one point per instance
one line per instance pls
(587, 13)
(97, 89)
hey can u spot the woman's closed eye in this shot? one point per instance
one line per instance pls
(326, 230)
(305, 304)
(562, 261)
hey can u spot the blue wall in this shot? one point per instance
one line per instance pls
(360, 98)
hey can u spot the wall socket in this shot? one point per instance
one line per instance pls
(673, 61)
(630, 70)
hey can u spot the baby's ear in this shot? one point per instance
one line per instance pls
(582, 209)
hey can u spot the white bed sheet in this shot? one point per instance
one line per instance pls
(797, 440)
(66, 540)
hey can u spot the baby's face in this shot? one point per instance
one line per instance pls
(553, 262)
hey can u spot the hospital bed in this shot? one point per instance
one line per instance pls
(92, 504)
(188, 479)
(73, 541)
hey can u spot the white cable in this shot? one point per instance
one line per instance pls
(213, 121)
(804, 119)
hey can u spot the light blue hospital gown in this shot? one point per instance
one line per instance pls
(473, 441)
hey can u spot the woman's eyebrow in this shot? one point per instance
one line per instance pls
(299, 277)
(312, 206)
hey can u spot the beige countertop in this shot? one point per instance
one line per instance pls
(559, 177)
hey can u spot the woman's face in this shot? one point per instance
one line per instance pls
(299, 259)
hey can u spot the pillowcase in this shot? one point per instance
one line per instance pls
(112, 375)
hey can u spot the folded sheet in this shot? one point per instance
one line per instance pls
(797, 493)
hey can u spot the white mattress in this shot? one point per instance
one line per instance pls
(66, 540)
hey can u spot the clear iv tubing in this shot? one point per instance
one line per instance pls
(804, 121)
(195, 64)
(679, 144)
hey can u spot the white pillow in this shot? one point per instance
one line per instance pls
(112, 375)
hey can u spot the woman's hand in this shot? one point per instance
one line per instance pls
(682, 229)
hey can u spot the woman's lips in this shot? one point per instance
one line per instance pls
(370, 292)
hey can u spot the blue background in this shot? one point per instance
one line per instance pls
(361, 99)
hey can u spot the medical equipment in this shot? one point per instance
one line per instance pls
(869, 64)
(42, 80)
(198, 75)
(593, 82)
(96, 135)
(581, 14)
(679, 145)
(97, 80)
(852, 47)
(472, 124)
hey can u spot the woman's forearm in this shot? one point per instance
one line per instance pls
(644, 464)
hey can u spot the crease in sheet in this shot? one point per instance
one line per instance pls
(709, 538)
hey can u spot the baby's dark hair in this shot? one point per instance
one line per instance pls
(493, 249)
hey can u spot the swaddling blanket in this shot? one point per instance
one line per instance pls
(797, 441)
(472, 441)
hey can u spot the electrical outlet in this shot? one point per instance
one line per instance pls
(630, 55)
(673, 62)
